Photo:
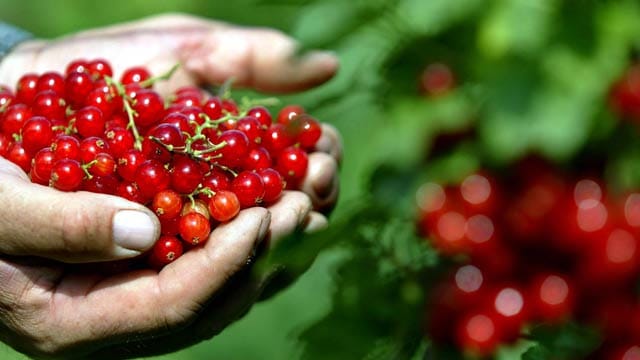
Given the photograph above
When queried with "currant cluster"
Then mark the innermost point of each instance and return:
(192, 158)
(534, 246)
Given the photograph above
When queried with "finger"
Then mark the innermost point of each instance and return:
(288, 215)
(259, 58)
(71, 227)
(330, 142)
(321, 182)
(146, 303)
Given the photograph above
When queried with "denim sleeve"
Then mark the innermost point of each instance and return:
(10, 36)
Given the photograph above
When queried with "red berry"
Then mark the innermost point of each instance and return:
(437, 79)
(235, 150)
(165, 251)
(102, 165)
(66, 147)
(19, 156)
(262, 114)
(77, 86)
(292, 164)
(128, 164)
(135, 75)
(194, 228)
(273, 184)
(120, 140)
(306, 131)
(257, 159)
(217, 180)
(249, 188)
(213, 108)
(50, 105)
(224, 206)
(90, 147)
(79, 65)
(101, 184)
(37, 133)
(51, 81)
(42, 164)
(99, 68)
(66, 175)
(288, 113)
(89, 121)
(26, 89)
(149, 108)
(186, 174)
(276, 139)
(478, 333)
(14, 118)
(152, 177)
(167, 204)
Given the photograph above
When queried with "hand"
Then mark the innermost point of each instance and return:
(58, 309)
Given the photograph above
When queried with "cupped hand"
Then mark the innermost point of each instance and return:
(50, 307)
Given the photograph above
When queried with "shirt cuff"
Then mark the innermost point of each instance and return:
(11, 36)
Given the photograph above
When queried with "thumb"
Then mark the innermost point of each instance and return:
(71, 227)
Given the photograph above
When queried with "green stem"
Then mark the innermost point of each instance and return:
(166, 76)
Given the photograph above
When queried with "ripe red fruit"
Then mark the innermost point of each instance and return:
(437, 79)
(288, 113)
(186, 174)
(194, 228)
(167, 204)
(292, 163)
(37, 133)
(135, 75)
(99, 68)
(26, 88)
(262, 114)
(306, 130)
(77, 86)
(66, 147)
(92, 146)
(552, 297)
(148, 106)
(478, 333)
(42, 165)
(165, 251)
(66, 175)
(273, 184)
(128, 164)
(19, 156)
(152, 177)
(102, 165)
(224, 206)
(89, 121)
(50, 105)
(120, 140)
(14, 117)
(249, 188)
(235, 150)
(51, 81)
(277, 138)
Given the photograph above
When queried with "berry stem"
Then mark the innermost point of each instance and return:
(132, 124)
(166, 76)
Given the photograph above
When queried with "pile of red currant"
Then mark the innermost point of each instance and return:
(533, 246)
(192, 158)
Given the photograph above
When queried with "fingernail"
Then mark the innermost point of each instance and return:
(134, 230)
(327, 58)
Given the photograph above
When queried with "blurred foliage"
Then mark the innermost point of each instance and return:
(532, 77)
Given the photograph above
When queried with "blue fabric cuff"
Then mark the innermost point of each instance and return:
(11, 36)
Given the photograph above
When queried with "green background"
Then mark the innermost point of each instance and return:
(532, 76)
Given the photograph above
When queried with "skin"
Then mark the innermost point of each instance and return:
(67, 308)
